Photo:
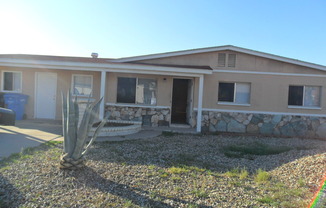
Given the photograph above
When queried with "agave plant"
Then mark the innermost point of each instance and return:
(75, 138)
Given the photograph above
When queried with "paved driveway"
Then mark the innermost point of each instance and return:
(27, 133)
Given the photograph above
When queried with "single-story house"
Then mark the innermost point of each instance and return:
(223, 89)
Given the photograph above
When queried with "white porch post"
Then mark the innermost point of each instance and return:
(102, 94)
(200, 102)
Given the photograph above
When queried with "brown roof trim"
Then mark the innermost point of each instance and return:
(55, 58)
(172, 65)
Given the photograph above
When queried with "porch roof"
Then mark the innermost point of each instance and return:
(96, 64)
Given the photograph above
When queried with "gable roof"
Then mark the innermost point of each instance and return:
(221, 48)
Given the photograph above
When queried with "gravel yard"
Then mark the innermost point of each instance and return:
(169, 171)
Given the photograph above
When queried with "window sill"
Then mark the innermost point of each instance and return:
(303, 107)
(234, 104)
(6, 91)
(136, 105)
(84, 96)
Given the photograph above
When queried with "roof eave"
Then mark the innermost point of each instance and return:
(114, 67)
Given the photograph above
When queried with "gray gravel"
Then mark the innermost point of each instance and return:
(140, 174)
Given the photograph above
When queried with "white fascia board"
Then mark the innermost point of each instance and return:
(137, 105)
(153, 72)
(267, 73)
(131, 68)
(222, 48)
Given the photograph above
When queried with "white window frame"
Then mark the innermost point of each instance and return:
(72, 84)
(135, 103)
(234, 95)
(3, 82)
(303, 103)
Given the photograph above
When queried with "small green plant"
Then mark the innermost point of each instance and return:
(262, 176)
(164, 175)
(192, 206)
(151, 167)
(128, 204)
(232, 173)
(175, 179)
(200, 193)
(177, 170)
(301, 182)
(266, 200)
(238, 151)
(243, 174)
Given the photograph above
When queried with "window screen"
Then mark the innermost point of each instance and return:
(82, 85)
(242, 95)
(146, 91)
(312, 96)
(226, 92)
(126, 92)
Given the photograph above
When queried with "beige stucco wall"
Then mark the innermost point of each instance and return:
(164, 87)
(64, 79)
(269, 93)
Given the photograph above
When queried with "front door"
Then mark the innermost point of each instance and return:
(46, 93)
(180, 101)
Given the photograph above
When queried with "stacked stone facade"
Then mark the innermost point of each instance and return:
(148, 116)
(265, 124)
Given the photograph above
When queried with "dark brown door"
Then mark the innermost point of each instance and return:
(179, 101)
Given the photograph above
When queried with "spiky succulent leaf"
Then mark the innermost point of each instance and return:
(71, 125)
(97, 131)
(64, 123)
(88, 119)
(76, 112)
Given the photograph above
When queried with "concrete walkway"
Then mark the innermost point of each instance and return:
(31, 133)
(27, 133)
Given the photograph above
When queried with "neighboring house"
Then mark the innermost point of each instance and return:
(225, 89)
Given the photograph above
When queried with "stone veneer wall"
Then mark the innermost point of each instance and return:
(149, 116)
(266, 124)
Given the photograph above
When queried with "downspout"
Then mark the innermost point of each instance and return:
(102, 94)
(200, 102)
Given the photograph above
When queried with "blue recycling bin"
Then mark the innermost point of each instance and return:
(16, 102)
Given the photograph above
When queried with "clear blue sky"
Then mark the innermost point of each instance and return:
(121, 28)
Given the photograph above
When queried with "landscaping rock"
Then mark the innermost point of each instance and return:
(267, 129)
(252, 129)
(287, 130)
(257, 118)
(276, 119)
(221, 126)
(212, 128)
(321, 131)
(236, 127)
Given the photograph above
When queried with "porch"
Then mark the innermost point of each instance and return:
(158, 96)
